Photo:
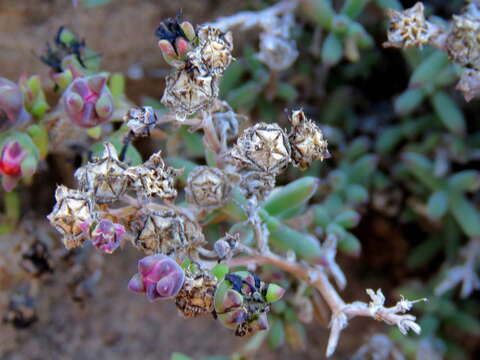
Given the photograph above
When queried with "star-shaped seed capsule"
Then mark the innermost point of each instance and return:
(263, 147)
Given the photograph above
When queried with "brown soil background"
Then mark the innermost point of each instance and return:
(116, 324)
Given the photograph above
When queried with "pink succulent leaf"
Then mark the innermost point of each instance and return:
(160, 275)
(87, 101)
(136, 284)
(12, 109)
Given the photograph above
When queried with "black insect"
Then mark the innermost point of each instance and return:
(54, 55)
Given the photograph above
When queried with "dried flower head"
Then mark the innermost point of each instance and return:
(141, 120)
(207, 187)
(214, 51)
(165, 230)
(159, 277)
(306, 141)
(242, 302)
(12, 109)
(104, 178)
(408, 27)
(469, 84)
(154, 178)
(262, 147)
(463, 40)
(72, 215)
(188, 91)
(197, 294)
(159, 231)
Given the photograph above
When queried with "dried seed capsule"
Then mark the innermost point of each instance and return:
(408, 27)
(197, 294)
(193, 230)
(141, 120)
(165, 231)
(188, 91)
(469, 84)
(159, 277)
(207, 187)
(306, 140)
(242, 302)
(105, 178)
(154, 178)
(214, 51)
(72, 215)
(463, 40)
(263, 147)
(159, 231)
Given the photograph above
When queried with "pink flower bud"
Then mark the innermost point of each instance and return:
(11, 159)
(11, 165)
(107, 236)
(12, 109)
(175, 41)
(88, 102)
(159, 276)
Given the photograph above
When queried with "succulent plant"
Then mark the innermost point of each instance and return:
(242, 302)
(88, 102)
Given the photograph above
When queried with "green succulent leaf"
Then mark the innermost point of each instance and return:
(437, 205)
(276, 335)
(466, 214)
(291, 196)
(449, 113)
(353, 8)
(332, 50)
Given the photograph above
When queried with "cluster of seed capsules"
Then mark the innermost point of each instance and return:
(166, 231)
(199, 58)
(460, 39)
(169, 234)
